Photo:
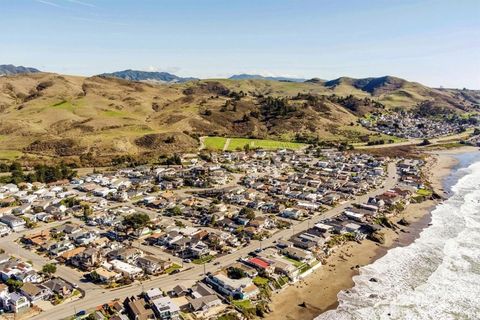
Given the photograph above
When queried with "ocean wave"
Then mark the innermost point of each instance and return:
(435, 277)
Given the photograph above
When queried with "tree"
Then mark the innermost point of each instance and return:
(180, 224)
(94, 276)
(236, 273)
(49, 269)
(175, 211)
(136, 220)
(14, 285)
(425, 142)
(87, 211)
(17, 174)
(248, 212)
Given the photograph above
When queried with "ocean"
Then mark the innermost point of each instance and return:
(438, 275)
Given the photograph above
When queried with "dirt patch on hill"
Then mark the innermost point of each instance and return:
(59, 147)
(170, 142)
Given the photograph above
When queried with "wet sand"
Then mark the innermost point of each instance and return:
(319, 290)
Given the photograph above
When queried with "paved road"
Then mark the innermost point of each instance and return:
(190, 276)
(12, 247)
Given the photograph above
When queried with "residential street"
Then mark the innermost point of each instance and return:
(188, 277)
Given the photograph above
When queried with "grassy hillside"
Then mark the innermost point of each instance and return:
(93, 119)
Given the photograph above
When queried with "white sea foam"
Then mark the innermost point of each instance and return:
(436, 277)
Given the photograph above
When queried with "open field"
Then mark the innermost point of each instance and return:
(214, 143)
(218, 143)
(10, 154)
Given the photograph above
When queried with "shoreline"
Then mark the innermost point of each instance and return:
(319, 290)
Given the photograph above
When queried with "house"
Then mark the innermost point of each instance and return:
(37, 239)
(18, 270)
(106, 276)
(67, 228)
(16, 302)
(250, 271)
(129, 255)
(4, 230)
(260, 222)
(35, 293)
(153, 294)
(199, 249)
(166, 309)
(59, 286)
(4, 295)
(127, 270)
(260, 264)
(322, 227)
(178, 291)
(87, 259)
(152, 264)
(203, 304)
(67, 255)
(236, 288)
(202, 299)
(356, 216)
(298, 254)
(85, 237)
(292, 213)
(57, 248)
(16, 224)
(284, 268)
(137, 311)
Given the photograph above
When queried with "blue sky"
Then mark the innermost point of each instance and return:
(433, 42)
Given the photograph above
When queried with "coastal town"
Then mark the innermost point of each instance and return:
(210, 236)
(409, 125)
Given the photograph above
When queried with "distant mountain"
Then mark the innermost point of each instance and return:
(245, 76)
(8, 69)
(148, 76)
(371, 85)
(315, 80)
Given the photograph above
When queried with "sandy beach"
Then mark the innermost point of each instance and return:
(319, 290)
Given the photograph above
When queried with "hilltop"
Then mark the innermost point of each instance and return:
(92, 119)
(245, 76)
(147, 76)
(9, 69)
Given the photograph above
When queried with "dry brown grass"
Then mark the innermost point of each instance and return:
(41, 112)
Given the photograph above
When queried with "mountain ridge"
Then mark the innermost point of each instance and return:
(246, 76)
(152, 76)
(10, 69)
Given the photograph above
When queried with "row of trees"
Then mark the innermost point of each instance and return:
(41, 173)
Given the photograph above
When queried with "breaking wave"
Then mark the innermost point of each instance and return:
(435, 277)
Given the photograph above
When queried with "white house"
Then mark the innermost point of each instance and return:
(126, 269)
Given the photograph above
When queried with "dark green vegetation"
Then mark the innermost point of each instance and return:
(41, 173)
(136, 220)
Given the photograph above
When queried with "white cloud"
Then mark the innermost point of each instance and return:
(49, 3)
(86, 4)
(172, 69)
